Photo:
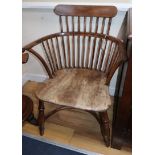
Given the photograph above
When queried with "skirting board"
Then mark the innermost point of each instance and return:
(40, 78)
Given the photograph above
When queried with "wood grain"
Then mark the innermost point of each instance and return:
(78, 88)
(86, 10)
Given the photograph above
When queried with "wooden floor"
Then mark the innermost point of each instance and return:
(75, 128)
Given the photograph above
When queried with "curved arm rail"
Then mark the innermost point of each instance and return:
(79, 50)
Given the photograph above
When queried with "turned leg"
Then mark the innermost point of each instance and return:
(105, 129)
(41, 117)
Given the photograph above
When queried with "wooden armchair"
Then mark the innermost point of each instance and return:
(80, 62)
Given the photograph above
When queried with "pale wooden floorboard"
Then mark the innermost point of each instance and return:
(76, 128)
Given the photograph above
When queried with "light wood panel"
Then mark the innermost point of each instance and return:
(78, 88)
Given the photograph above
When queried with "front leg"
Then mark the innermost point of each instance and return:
(105, 128)
(41, 117)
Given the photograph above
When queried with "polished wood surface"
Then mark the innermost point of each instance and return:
(78, 88)
(25, 57)
(86, 10)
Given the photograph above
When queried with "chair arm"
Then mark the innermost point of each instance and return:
(119, 60)
(29, 49)
(25, 57)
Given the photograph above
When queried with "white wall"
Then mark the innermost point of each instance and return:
(40, 22)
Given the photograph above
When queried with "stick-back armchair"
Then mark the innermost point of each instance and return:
(80, 61)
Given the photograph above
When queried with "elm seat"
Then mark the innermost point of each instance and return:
(78, 88)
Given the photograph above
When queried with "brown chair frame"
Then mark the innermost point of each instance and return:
(109, 49)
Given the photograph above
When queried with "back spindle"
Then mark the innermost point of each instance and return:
(54, 54)
(109, 25)
(51, 57)
(94, 43)
(88, 43)
(58, 53)
(73, 43)
(48, 58)
(68, 43)
(83, 43)
(78, 44)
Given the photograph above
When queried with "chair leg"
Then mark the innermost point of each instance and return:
(105, 128)
(41, 117)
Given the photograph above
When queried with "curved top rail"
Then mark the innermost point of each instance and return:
(98, 35)
(86, 10)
